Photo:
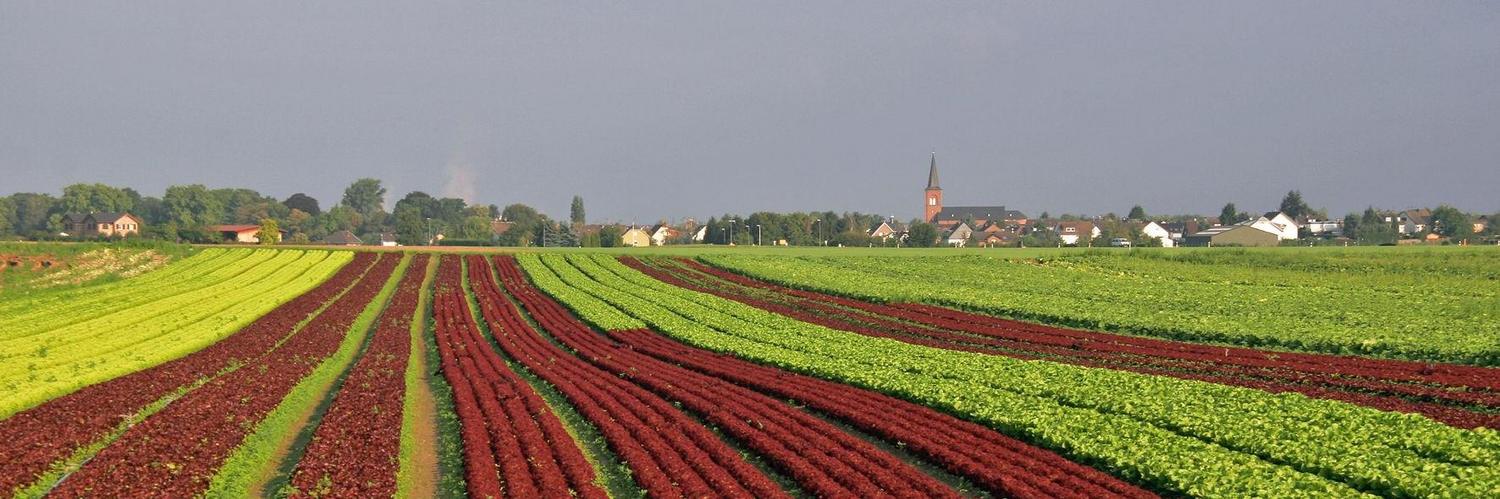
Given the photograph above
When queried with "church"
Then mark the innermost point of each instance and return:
(984, 218)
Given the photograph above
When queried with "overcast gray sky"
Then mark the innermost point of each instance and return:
(673, 109)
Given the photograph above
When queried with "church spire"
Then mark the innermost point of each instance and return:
(932, 178)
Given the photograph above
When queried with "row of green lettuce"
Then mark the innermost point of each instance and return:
(130, 329)
(1177, 436)
(1316, 309)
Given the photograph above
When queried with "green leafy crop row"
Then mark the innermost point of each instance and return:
(1174, 435)
(1275, 301)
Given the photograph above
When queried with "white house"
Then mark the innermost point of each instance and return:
(1414, 221)
(661, 234)
(1323, 227)
(1078, 232)
(1277, 223)
(699, 234)
(959, 236)
(1158, 232)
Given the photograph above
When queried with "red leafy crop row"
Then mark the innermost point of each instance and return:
(669, 453)
(355, 450)
(176, 452)
(514, 446)
(824, 460)
(33, 440)
(1387, 385)
(1000, 464)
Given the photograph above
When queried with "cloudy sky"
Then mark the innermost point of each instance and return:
(674, 109)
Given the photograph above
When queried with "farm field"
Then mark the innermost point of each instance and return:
(313, 373)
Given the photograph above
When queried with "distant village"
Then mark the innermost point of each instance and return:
(197, 214)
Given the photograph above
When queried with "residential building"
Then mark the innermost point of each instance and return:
(662, 233)
(999, 239)
(887, 230)
(1414, 221)
(959, 236)
(101, 224)
(1158, 232)
(1321, 228)
(1078, 232)
(636, 236)
(1277, 223)
(343, 238)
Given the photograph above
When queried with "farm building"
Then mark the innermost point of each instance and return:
(636, 236)
(1232, 235)
(343, 238)
(240, 233)
(102, 224)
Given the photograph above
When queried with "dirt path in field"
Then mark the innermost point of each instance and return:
(422, 480)
(419, 476)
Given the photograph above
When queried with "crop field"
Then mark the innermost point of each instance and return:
(315, 373)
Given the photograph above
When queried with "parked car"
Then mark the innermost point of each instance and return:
(1119, 242)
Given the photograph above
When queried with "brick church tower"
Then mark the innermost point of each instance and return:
(934, 201)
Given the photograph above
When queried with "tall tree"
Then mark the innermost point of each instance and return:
(192, 206)
(1351, 224)
(411, 226)
(7, 216)
(32, 210)
(1230, 216)
(1447, 221)
(922, 235)
(575, 213)
(306, 203)
(1373, 229)
(609, 236)
(1137, 213)
(1293, 206)
(366, 196)
(90, 198)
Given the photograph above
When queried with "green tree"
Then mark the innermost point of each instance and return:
(7, 216)
(922, 235)
(1136, 213)
(340, 218)
(1372, 229)
(575, 213)
(192, 206)
(1230, 216)
(297, 221)
(476, 227)
(609, 236)
(366, 196)
(1293, 206)
(32, 210)
(91, 198)
(411, 226)
(1447, 221)
(269, 233)
(1351, 224)
(306, 203)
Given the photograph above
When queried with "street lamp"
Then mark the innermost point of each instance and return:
(429, 230)
(732, 223)
(757, 234)
(817, 234)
